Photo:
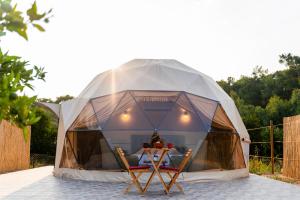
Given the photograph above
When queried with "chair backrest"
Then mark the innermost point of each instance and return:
(123, 158)
(185, 160)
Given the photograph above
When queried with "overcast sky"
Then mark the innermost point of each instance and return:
(219, 38)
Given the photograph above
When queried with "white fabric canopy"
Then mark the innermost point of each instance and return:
(154, 75)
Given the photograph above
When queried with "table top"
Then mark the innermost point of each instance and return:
(157, 149)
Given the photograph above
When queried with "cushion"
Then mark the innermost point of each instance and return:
(169, 168)
(138, 167)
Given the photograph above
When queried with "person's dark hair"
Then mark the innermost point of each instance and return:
(154, 138)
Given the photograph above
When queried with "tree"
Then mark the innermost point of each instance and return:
(262, 97)
(15, 73)
(278, 108)
(43, 133)
(57, 100)
(63, 98)
(295, 102)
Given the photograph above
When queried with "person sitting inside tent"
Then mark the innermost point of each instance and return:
(156, 142)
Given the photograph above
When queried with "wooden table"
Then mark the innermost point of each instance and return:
(150, 152)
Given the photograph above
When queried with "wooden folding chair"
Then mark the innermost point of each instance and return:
(132, 170)
(174, 173)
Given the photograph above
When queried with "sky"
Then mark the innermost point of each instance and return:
(219, 38)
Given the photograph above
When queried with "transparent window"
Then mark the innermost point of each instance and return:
(128, 119)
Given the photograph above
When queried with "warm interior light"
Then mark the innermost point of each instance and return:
(185, 117)
(125, 116)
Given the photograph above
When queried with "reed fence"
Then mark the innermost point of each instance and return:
(14, 150)
(291, 147)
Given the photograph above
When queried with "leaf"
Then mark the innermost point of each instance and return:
(33, 14)
(39, 27)
(33, 8)
(22, 33)
(25, 133)
(5, 6)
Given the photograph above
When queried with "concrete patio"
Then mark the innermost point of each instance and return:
(40, 184)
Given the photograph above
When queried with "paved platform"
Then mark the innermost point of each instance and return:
(40, 184)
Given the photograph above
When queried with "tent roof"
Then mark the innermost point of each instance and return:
(153, 74)
(157, 75)
(53, 107)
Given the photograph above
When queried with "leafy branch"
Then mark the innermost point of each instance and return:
(15, 75)
(14, 20)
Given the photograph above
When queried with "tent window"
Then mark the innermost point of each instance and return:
(128, 119)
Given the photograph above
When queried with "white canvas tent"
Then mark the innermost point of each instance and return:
(154, 92)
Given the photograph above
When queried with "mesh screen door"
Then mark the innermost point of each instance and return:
(88, 150)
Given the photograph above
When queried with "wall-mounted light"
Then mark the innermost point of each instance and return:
(125, 116)
(185, 117)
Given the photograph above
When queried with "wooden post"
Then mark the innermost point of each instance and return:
(272, 144)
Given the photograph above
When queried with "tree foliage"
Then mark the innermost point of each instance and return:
(262, 97)
(14, 20)
(15, 73)
(44, 133)
(57, 100)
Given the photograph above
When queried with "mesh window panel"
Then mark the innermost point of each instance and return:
(104, 106)
(179, 119)
(155, 105)
(183, 140)
(205, 109)
(185, 103)
(88, 150)
(130, 140)
(220, 151)
(86, 119)
(128, 116)
(221, 120)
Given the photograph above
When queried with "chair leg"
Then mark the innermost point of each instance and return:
(132, 183)
(177, 184)
(149, 181)
(173, 181)
(136, 182)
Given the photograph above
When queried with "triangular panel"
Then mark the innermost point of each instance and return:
(156, 104)
(182, 117)
(128, 116)
(86, 119)
(205, 108)
(221, 120)
(104, 106)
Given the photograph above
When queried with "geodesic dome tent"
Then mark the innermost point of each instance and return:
(124, 106)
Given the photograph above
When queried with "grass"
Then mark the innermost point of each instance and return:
(280, 177)
(40, 160)
(264, 167)
(260, 166)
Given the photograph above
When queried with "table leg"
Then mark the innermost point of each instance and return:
(156, 171)
(156, 166)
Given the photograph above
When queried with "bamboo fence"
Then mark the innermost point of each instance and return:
(291, 146)
(14, 150)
